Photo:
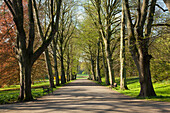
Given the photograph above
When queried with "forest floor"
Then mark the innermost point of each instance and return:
(85, 96)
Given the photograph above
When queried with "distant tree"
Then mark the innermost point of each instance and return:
(67, 28)
(107, 22)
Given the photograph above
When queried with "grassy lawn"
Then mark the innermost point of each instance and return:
(42, 83)
(162, 89)
(11, 96)
(82, 76)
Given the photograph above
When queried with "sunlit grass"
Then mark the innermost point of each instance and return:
(41, 83)
(82, 76)
(12, 96)
(162, 89)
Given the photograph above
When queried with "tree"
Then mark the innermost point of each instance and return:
(24, 49)
(123, 84)
(65, 32)
(89, 38)
(98, 75)
(43, 33)
(138, 41)
(107, 25)
(8, 62)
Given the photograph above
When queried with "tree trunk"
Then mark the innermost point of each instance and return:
(48, 64)
(138, 44)
(27, 80)
(71, 71)
(92, 68)
(123, 84)
(109, 62)
(105, 66)
(68, 65)
(55, 63)
(145, 74)
(98, 62)
(63, 79)
(22, 73)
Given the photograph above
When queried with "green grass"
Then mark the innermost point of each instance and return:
(82, 76)
(162, 89)
(12, 96)
(43, 83)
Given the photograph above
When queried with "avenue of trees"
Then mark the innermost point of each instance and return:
(111, 38)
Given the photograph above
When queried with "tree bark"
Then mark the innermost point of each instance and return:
(68, 64)
(22, 75)
(105, 66)
(109, 62)
(27, 80)
(123, 84)
(63, 79)
(92, 68)
(98, 62)
(145, 75)
(54, 48)
(138, 44)
(49, 68)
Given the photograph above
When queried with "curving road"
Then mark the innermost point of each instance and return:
(85, 96)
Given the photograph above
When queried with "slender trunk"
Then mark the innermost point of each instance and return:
(71, 71)
(48, 64)
(55, 63)
(92, 68)
(105, 66)
(71, 75)
(123, 84)
(22, 73)
(71, 63)
(98, 62)
(68, 65)
(109, 62)
(63, 79)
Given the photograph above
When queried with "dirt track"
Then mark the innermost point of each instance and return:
(84, 96)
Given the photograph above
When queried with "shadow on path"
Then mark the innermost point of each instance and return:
(85, 96)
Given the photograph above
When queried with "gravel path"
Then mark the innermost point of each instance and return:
(84, 96)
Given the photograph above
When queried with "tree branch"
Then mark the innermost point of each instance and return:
(164, 10)
(161, 25)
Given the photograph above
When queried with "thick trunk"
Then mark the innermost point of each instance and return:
(105, 66)
(109, 62)
(123, 84)
(48, 64)
(63, 79)
(98, 62)
(145, 74)
(27, 80)
(138, 44)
